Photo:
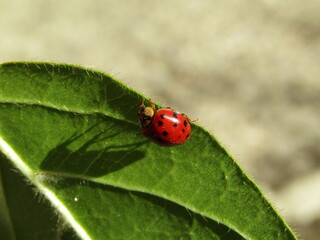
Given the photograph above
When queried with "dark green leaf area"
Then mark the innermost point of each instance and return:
(113, 213)
(23, 213)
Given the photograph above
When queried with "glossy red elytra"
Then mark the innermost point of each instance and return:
(164, 126)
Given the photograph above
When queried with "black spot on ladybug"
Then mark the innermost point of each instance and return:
(185, 123)
(187, 136)
(160, 123)
(183, 130)
(165, 133)
(163, 116)
(175, 115)
(175, 125)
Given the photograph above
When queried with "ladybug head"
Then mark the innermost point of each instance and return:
(145, 114)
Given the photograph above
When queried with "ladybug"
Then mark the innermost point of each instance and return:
(164, 126)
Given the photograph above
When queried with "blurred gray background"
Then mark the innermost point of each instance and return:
(248, 70)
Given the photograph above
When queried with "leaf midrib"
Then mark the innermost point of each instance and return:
(55, 108)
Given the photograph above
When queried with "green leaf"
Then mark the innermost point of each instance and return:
(19, 205)
(72, 132)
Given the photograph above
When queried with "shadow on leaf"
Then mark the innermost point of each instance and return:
(94, 157)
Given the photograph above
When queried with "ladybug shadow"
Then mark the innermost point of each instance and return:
(92, 158)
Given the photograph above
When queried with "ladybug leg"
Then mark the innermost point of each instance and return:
(141, 108)
(142, 103)
(189, 120)
(139, 133)
(152, 105)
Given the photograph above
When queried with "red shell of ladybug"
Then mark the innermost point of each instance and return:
(165, 126)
